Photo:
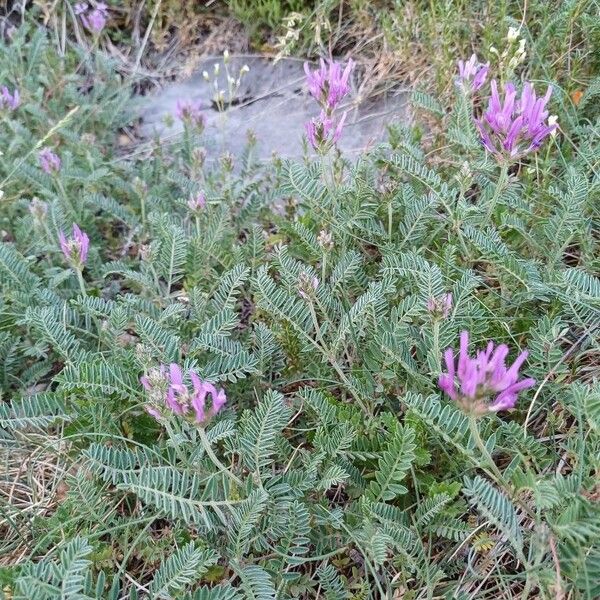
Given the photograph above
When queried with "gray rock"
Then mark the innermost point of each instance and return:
(273, 102)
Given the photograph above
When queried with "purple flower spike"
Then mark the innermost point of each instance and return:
(168, 393)
(328, 84)
(8, 100)
(512, 128)
(49, 161)
(472, 74)
(473, 381)
(76, 248)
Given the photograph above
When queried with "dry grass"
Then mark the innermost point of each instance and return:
(32, 486)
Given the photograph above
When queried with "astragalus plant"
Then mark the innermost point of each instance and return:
(224, 380)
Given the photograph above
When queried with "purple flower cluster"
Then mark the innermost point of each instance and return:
(482, 377)
(190, 112)
(328, 85)
(510, 128)
(49, 161)
(75, 248)
(166, 389)
(440, 307)
(472, 74)
(8, 100)
(93, 19)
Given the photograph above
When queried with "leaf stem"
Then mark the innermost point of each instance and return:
(500, 185)
(209, 452)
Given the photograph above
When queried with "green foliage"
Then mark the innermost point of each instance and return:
(180, 570)
(393, 465)
(336, 468)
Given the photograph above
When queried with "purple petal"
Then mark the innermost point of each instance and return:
(338, 130)
(64, 245)
(199, 396)
(175, 375)
(172, 402)
(446, 384)
(494, 104)
(219, 401)
(503, 402)
(480, 77)
(513, 132)
(153, 412)
(463, 356)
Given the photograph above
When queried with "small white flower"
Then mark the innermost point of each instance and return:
(493, 50)
(245, 69)
(206, 75)
(216, 68)
(226, 56)
(513, 34)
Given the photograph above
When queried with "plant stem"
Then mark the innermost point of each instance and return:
(500, 480)
(484, 451)
(143, 209)
(331, 359)
(500, 185)
(63, 193)
(209, 452)
(171, 435)
(436, 346)
(80, 280)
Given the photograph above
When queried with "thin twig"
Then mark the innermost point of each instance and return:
(138, 58)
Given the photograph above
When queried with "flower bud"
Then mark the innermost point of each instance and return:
(307, 285)
(38, 209)
(197, 202)
(513, 34)
(325, 240)
(198, 157)
(227, 161)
